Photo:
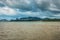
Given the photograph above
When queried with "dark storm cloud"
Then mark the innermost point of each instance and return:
(43, 4)
(33, 4)
(27, 4)
(57, 3)
(20, 4)
(2, 5)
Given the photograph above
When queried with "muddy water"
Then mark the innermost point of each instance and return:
(29, 30)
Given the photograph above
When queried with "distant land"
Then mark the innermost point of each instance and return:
(31, 19)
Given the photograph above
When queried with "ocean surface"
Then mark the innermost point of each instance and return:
(30, 30)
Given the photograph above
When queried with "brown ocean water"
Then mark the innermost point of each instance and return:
(30, 30)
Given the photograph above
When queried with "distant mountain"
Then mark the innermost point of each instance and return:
(3, 20)
(27, 19)
(31, 19)
(48, 19)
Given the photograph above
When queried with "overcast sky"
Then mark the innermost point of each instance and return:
(11, 9)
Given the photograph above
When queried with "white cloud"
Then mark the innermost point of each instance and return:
(57, 15)
(7, 11)
(30, 13)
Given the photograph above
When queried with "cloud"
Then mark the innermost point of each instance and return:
(32, 4)
(7, 11)
(2, 4)
(20, 4)
(43, 4)
(37, 8)
(57, 3)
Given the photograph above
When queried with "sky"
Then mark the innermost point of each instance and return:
(11, 9)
